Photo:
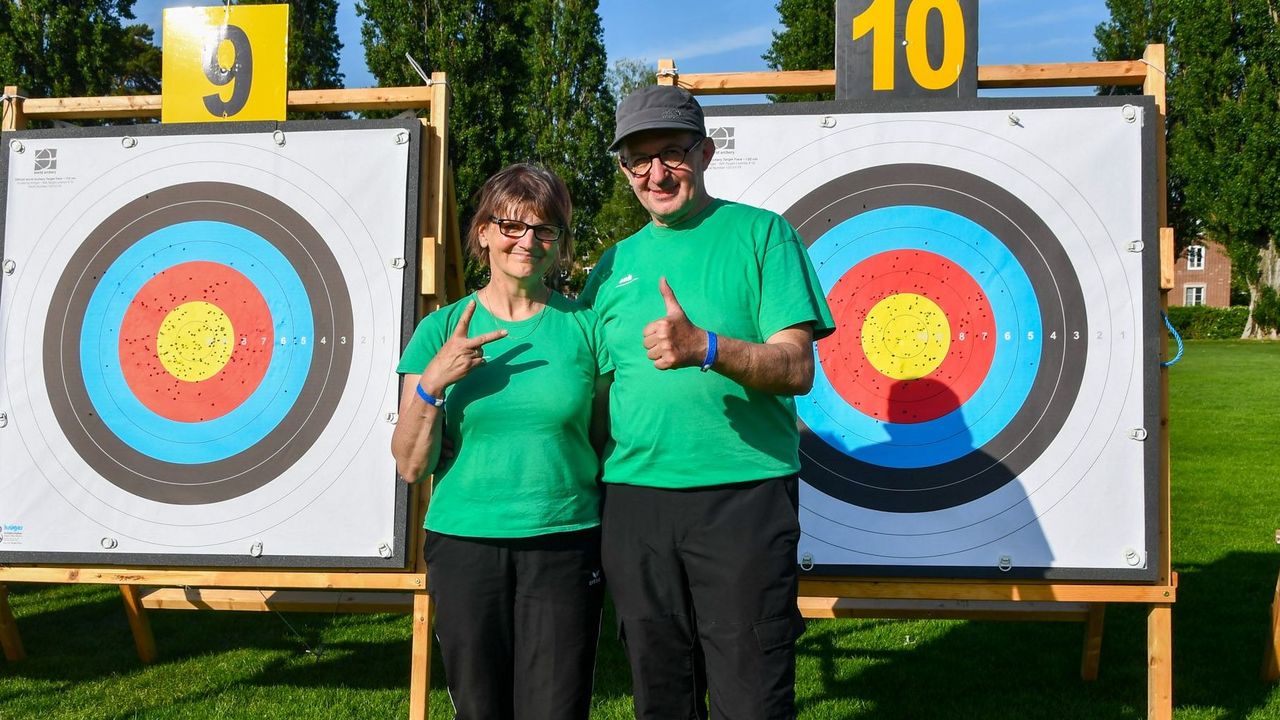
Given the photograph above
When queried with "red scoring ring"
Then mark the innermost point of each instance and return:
(961, 372)
(218, 285)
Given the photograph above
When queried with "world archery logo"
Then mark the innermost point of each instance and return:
(46, 160)
(722, 137)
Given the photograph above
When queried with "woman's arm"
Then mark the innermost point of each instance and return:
(415, 443)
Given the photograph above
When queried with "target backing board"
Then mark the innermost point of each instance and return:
(988, 404)
(199, 327)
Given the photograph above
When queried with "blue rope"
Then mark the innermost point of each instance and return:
(1176, 336)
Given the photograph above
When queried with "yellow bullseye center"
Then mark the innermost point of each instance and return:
(906, 336)
(195, 341)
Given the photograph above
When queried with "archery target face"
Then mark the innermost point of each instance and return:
(992, 287)
(200, 336)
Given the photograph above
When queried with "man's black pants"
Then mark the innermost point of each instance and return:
(517, 621)
(706, 575)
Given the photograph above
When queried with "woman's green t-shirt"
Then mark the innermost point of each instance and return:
(523, 464)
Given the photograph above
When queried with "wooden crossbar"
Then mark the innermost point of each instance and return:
(338, 580)
(148, 106)
(282, 600)
(1126, 72)
(1091, 614)
(832, 607)
(989, 591)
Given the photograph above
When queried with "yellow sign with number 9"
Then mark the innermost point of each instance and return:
(225, 63)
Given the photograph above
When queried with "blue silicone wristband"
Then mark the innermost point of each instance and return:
(429, 398)
(710, 359)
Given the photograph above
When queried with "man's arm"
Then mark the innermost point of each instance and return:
(782, 364)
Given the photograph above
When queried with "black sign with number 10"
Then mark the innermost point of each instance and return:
(906, 48)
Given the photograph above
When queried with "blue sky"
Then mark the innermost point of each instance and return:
(730, 35)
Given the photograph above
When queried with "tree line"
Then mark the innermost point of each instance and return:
(529, 82)
(1223, 130)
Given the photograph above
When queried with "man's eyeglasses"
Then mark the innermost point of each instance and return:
(671, 158)
(515, 229)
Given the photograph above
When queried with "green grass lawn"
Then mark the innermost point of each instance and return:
(1226, 508)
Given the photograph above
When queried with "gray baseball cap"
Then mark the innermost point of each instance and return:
(657, 107)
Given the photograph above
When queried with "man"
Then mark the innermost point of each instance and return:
(710, 312)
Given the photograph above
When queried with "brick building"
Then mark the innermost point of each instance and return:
(1202, 275)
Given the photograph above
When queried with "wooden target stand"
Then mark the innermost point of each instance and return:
(1270, 657)
(1017, 600)
(441, 281)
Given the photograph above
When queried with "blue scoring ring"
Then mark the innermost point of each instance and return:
(222, 437)
(1014, 364)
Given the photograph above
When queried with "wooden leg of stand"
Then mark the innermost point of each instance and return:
(1271, 662)
(138, 623)
(1092, 656)
(420, 667)
(9, 637)
(1160, 662)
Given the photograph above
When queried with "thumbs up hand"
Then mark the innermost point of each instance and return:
(673, 341)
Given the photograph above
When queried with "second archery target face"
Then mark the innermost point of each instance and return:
(986, 405)
(200, 333)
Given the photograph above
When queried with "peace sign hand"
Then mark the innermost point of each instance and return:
(459, 355)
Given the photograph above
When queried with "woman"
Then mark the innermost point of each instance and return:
(509, 374)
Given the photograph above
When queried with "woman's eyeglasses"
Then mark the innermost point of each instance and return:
(515, 229)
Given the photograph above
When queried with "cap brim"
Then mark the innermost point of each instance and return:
(655, 125)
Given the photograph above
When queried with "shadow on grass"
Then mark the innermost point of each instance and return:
(1221, 627)
(71, 632)
(81, 633)
(77, 635)
(1031, 670)
(353, 664)
(847, 668)
(391, 659)
(970, 670)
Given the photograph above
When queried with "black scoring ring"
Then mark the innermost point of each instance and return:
(1057, 381)
(201, 483)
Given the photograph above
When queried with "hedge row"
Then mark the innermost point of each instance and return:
(1201, 322)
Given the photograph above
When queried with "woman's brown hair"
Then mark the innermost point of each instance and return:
(523, 187)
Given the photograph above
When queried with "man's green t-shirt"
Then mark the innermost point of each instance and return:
(523, 463)
(740, 272)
